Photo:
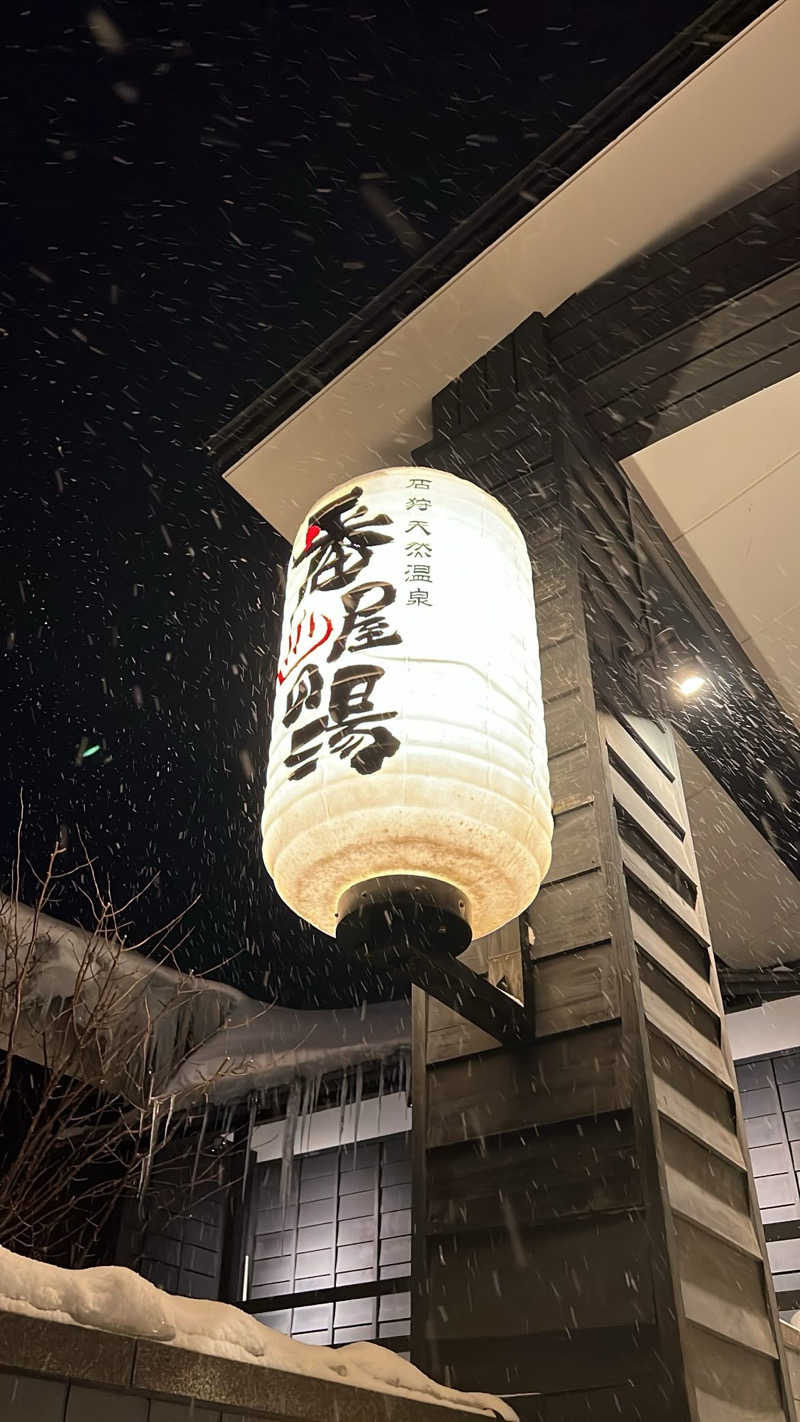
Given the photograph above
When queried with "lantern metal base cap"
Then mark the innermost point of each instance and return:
(392, 910)
(423, 924)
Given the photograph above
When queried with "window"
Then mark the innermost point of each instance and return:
(345, 1226)
(770, 1095)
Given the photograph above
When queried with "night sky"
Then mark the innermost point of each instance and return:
(193, 203)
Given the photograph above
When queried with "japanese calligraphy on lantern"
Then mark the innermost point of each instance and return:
(419, 547)
(407, 714)
(340, 614)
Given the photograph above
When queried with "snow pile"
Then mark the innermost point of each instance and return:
(119, 1301)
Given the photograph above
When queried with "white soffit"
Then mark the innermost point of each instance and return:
(751, 898)
(730, 129)
(727, 492)
(761, 1031)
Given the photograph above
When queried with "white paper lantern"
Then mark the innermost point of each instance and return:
(408, 727)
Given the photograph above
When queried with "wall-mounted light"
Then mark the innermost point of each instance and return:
(685, 673)
(407, 801)
(689, 681)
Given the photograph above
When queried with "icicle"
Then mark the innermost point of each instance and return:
(200, 1139)
(343, 1093)
(316, 1083)
(357, 1110)
(287, 1158)
(304, 1121)
(309, 1106)
(148, 1048)
(139, 1191)
(253, 1099)
(147, 1163)
(166, 1049)
(168, 1121)
(380, 1093)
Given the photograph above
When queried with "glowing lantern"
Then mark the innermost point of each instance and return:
(408, 730)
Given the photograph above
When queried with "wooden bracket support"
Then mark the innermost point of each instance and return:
(472, 996)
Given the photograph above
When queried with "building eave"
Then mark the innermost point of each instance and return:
(729, 129)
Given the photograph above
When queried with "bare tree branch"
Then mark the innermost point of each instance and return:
(90, 1032)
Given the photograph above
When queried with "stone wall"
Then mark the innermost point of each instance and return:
(56, 1372)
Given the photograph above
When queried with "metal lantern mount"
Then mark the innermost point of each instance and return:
(407, 804)
(423, 924)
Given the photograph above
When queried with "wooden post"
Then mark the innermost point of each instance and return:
(587, 1237)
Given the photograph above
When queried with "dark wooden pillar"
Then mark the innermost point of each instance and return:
(587, 1238)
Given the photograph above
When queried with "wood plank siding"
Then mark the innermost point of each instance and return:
(681, 333)
(586, 1231)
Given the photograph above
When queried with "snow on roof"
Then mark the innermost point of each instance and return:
(262, 1046)
(243, 1044)
(117, 1300)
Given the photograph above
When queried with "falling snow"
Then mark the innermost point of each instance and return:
(196, 204)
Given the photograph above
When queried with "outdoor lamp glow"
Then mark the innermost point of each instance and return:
(686, 674)
(408, 742)
(690, 683)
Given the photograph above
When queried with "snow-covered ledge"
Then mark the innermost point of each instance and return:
(109, 1327)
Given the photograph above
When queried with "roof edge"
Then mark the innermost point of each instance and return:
(583, 141)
